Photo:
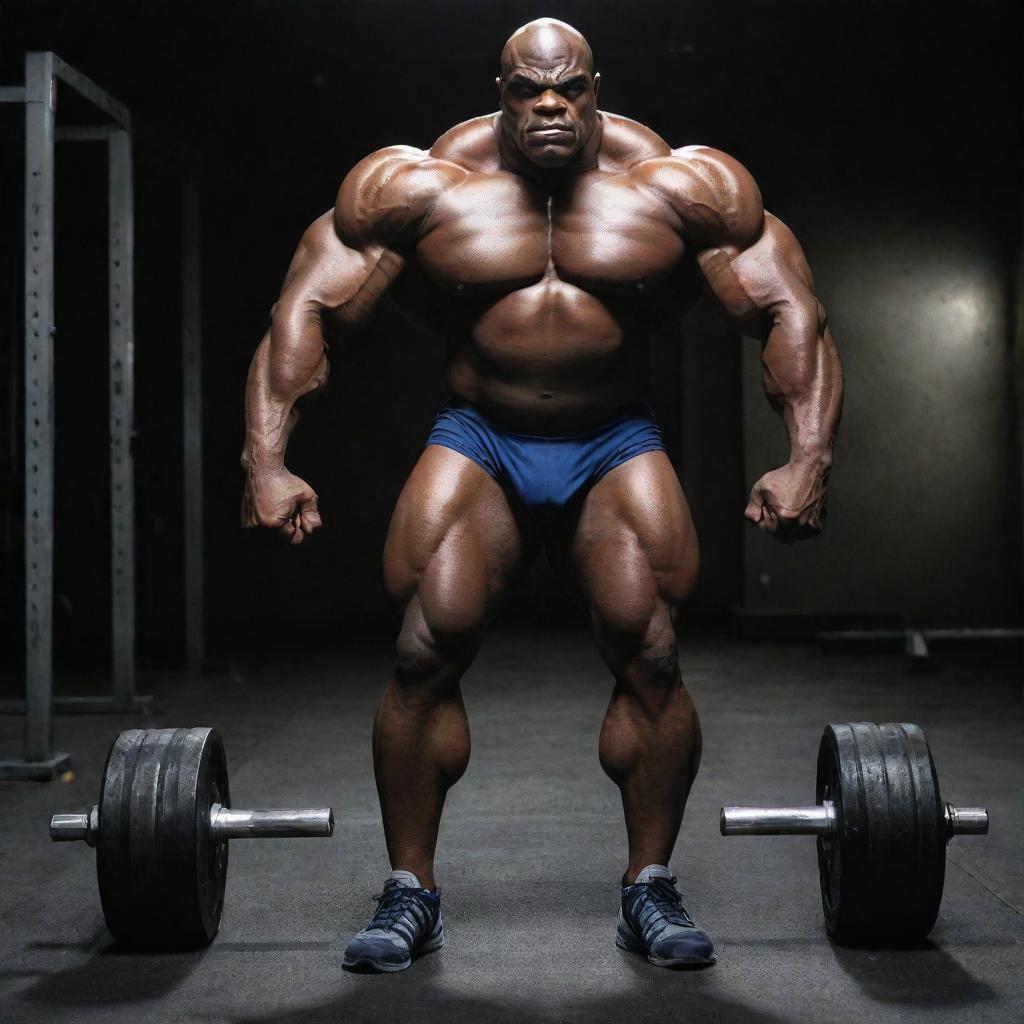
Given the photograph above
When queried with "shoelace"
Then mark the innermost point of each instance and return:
(667, 902)
(392, 903)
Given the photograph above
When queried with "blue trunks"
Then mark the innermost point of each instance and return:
(546, 473)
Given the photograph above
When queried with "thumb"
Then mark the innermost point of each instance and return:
(755, 508)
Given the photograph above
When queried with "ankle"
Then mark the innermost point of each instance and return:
(424, 875)
(629, 876)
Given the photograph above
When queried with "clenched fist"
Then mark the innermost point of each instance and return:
(789, 503)
(280, 500)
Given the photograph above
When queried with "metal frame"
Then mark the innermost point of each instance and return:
(121, 236)
(1017, 357)
(192, 416)
(42, 72)
(915, 641)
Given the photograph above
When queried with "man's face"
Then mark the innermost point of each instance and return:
(549, 113)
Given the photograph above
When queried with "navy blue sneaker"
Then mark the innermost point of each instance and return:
(406, 925)
(653, 920)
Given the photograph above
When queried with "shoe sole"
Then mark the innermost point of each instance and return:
(658, 961)
(367, 965)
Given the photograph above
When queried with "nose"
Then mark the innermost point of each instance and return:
(550, 102)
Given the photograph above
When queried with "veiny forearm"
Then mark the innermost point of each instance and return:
(803, 378)
(291, 361)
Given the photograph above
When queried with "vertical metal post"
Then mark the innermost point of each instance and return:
(1017, 351)
(40, 110)
(122, 401)
(42, 72)
(192, 377)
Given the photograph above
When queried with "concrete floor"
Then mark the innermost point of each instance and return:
(531, 850)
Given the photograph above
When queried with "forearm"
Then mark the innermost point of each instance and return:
(803, 379)
(290, 362)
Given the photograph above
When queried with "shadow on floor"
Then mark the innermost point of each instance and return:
(110, 977)
(372, 1007)
(663, 995)
(920, 975)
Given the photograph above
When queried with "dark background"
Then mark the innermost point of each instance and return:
(886, 135)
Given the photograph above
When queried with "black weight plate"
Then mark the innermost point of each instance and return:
(113, 857)
(161, 878)
(882, 871)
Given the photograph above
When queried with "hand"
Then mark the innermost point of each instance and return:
(789, 503)
(279, 500)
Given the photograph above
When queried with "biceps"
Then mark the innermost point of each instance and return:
(327, 275)
(767, 281)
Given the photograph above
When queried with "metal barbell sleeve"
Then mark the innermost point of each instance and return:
(228, 823)
(66, 828)
(820, 819)
(225, 823)
(817, 820)
(966, 821)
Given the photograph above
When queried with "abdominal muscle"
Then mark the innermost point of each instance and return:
(549, 359)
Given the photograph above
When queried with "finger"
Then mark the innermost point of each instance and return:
(297, 525)
(310, 514)
(753, 510)
(248, 511)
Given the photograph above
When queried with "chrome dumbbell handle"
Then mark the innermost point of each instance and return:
(225, 823)
(820, 819)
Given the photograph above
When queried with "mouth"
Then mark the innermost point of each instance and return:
(548, 134)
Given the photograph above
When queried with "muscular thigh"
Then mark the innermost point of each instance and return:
(630, 554)
(453, 544)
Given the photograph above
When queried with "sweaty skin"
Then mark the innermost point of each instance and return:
(552, 238)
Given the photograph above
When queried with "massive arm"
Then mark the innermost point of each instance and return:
(757, 271)
(326, 278)
(344, 264)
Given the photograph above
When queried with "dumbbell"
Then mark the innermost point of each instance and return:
(882, 830)
(161, 832)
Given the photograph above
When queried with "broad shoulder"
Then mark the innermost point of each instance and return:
(714, 195)
(625, 143)
(387, 193)
(471, 145)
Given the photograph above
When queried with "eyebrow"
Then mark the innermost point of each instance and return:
(518, 78)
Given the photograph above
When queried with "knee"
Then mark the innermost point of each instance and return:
(655, 664)
(645, 656)
(431, 657)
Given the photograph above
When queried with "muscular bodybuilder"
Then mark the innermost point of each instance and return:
(554, 237)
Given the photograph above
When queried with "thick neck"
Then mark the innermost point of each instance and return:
(513, 160)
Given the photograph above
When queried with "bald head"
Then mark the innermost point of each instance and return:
(548, 93)
(546, 44)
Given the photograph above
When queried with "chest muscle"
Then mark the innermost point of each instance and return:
(497, 233)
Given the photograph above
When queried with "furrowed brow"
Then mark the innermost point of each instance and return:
(518, 78)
